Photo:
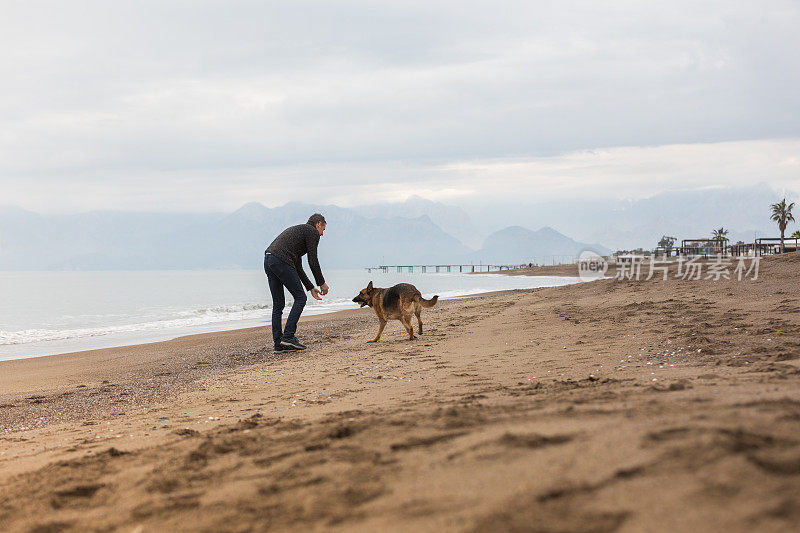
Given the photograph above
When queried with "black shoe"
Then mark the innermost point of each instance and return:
(282, 349)
(292, 343)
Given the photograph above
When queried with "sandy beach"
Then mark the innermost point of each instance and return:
(609, 406)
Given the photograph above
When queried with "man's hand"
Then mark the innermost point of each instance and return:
(324, 289)
(315, 294)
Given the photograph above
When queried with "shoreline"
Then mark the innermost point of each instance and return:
(565, 270)
(179, 335)
(309, 318)
(16, 375)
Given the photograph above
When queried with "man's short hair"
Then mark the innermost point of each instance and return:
(316, 217)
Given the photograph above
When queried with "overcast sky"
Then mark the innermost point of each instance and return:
(198, 106)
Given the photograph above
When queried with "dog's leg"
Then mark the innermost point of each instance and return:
(405, 318)
(381, 325)
(418, 312)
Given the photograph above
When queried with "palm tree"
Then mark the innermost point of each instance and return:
(667, 243)
(782, 214)
(795, 235)
(720, 235)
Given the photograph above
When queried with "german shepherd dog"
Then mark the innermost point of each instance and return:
(395, 302)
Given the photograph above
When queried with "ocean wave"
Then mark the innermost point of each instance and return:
(186, 319)
(222, 309)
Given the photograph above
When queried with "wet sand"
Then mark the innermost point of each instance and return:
(610, 406)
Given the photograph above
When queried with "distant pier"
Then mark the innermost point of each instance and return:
(442, 268)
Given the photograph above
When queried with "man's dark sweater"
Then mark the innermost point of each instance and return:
(290, 247)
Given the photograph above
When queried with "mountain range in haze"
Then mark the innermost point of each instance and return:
(355, 238)
(628, 224)
(416, 231)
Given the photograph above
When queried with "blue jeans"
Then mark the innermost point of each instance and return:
(281, 274)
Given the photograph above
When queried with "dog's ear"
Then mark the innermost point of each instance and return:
(369, 287)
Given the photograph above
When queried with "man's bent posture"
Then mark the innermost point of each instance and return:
(282, 263)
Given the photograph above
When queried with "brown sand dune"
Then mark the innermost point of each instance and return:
(611, 406)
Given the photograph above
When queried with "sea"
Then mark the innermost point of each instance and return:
(53, 312)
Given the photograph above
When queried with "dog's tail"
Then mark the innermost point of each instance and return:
(428, 303)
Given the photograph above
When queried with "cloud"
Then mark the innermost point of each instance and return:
(634, 172)
(627, 172)
(202, 104)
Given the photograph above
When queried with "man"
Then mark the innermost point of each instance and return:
(282, 263)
